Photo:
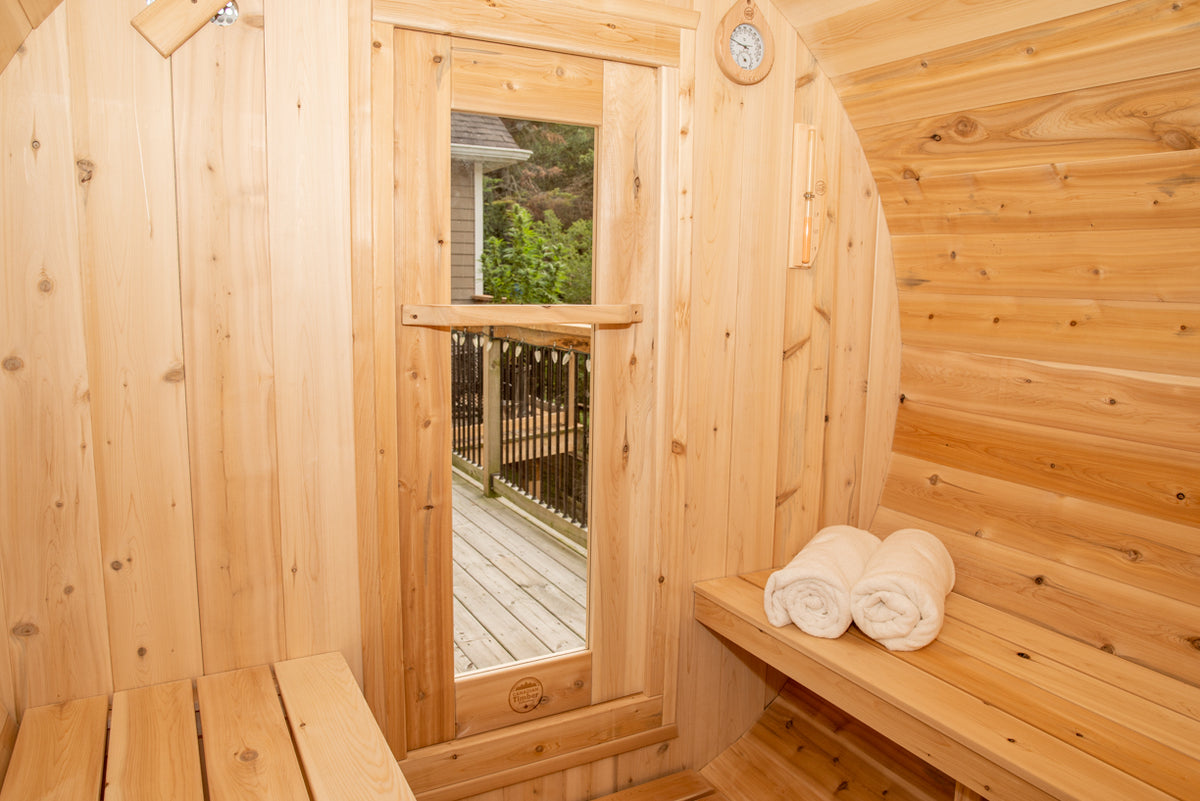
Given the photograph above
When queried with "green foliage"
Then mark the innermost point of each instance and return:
(537, 218)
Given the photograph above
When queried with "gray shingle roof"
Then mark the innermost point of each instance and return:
(479, 130)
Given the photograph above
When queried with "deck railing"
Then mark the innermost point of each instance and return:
(522, 416)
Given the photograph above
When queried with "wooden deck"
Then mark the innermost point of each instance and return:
(519, 592)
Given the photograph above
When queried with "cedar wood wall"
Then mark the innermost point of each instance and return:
(178, 393)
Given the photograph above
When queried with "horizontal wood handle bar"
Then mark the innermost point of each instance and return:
(443, 316)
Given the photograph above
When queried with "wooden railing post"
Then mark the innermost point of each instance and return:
(491, 455)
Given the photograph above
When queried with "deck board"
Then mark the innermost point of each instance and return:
(519, 592)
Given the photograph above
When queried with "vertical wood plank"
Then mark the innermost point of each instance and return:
(55, 627)
(362, 285)
(225, 275)
(60, 752)
(308, 151)
(883, 378)
(8, 741)
(121, 113)
(422, 262)
(153, 752)
(626, 271)
(387, 491)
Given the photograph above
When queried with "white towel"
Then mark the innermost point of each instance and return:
(813, 590)
(901, 598)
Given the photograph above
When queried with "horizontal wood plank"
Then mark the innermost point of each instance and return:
(1137, 407)
(608, 30)
(483, 702)
(1157, 481)
(248, 752)
(1110, 616)
(506, 81)
(1160, 114)
(167, 24)
(518, 314)
(1097, 265)
(979, 743)
(340, 745)
(1146, 37)
(1153, 337)
(153, 752)
(59, 753)
(850, 35)
(686, 785)
(1141, 551)
(529, 745)
(1144, 192)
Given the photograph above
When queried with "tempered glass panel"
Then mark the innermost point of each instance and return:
(522, 200)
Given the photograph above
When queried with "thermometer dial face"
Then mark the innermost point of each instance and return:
(746, 46)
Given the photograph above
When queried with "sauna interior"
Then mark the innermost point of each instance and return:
(934, 264)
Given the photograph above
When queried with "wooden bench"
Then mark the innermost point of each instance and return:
(1008, 708)
(326, 747)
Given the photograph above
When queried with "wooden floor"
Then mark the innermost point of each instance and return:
(519, 593)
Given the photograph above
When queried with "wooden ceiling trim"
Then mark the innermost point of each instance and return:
(1134, 476)
(1138, 407)
(854, 36)
(1149, 192)
(1160, 114)
(1100, 265)
(1153, 337)
(14, 27)
(619, 30)
(1150, 553)
(1143, 37)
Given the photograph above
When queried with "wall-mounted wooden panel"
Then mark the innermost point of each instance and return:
(53, 590)
(1160, 114)
(307, 86)
(121, 118)
(1156, 337)
(1140, 407)
(1101, 265)
(1157, 555)
(1147, 193)
(491, 78)
(1156, 481)
(856, 34)
(1145, 37)
(623, 416)
(623, 30)
(421, 208)
(225, 273)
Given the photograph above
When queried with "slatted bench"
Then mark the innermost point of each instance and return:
(1008, 708)
(327, 747)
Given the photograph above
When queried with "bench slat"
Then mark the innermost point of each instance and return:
(874, 680)
(343, 751)
(248, 752)
(687, 785)
(153, 752)
(60, 752)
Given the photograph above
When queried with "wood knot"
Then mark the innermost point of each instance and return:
(1039, 580)
(13, 363)
(35, 144)
(934, 479)
(678, 447)
(67, 590)
(116, 564)
(45, 285)
(141, 651)
(25, 630)
(1194, 642)
(1108, 648)
(247, 755)
(1023, 655)
(174, 375)
(86, 168)
(965, 127)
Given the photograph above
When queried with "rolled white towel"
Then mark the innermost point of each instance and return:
(900, 600)
(813, 590)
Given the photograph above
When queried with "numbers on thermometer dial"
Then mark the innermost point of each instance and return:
(746, 46)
